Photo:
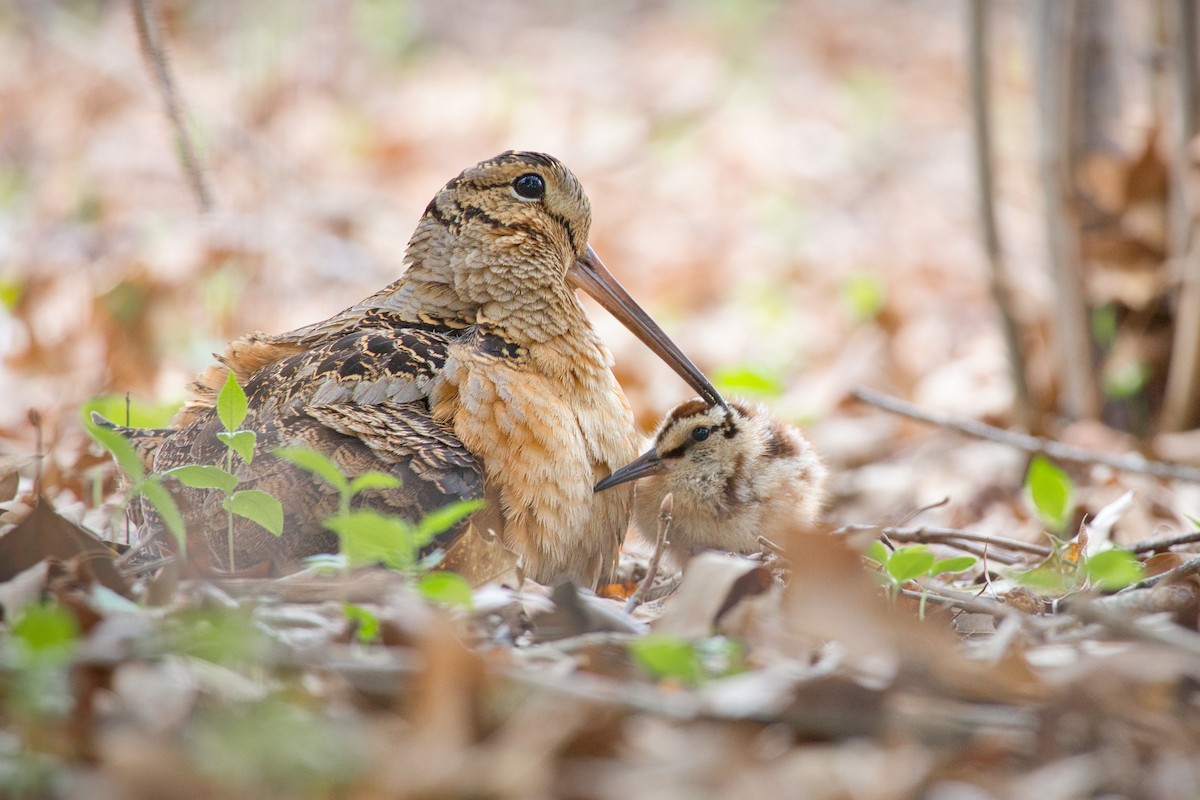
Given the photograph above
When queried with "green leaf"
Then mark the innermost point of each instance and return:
(231, 403)
(1047, 578)
(11, 290)
(366, 624)
(910, 562)
(311, 461)
(1050, 489)
(445, 518)
(864, 295)
(878, 552)
(127, 457)
(373, 480)
(1126, 380)
(46, 630)
(1195, 521)
(256, 506)
(749, 381)
(220, 635)
(368, 537)
(952, 565)
(1104, 325)
(326, 563)
(287, 747)
(1113, 569)
(721, 655)
(168, 509)
(199, 476)
(240, 442)
(665, 656)
(447, 589)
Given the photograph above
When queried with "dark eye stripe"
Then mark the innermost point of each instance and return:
(677, 452)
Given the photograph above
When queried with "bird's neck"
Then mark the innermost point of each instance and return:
(555, 331)
(422, 296)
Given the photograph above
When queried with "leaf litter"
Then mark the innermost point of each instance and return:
(800, 673)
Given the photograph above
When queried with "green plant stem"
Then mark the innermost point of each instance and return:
(229, 514)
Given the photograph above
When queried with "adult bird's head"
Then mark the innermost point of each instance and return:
(506, 244)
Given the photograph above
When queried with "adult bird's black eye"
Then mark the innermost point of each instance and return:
(529, 186)
(700, 434)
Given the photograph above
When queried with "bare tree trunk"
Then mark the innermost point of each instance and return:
(1181, 409)
(977, 19)
(1056, 71)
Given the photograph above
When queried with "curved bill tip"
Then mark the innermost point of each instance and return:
(589, 274)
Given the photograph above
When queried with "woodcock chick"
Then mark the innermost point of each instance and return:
(735, 473)
(476, 374)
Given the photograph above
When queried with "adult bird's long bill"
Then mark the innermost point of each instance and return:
(590, 275)
(648, 463)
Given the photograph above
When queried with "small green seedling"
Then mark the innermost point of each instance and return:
(366, 536)
(914, 561)
(689, 662)
(1068, 569)
(365, 624)
(898, 567)
(252, 504)
(1051, 492)
(148, 486)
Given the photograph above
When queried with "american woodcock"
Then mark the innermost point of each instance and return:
(476, 374)
(735, 473)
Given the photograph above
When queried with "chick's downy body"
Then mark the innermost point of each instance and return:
(735, 473)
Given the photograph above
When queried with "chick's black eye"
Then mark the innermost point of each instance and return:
(700, 434)
(529, 186)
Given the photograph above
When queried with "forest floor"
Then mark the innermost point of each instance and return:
(787, 188)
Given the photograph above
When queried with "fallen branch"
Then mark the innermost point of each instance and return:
(1165, 542)
(660, 544)
(1125, 462)
(1138, 629)
(156, 57)
(965, 602)
(947, 536)
(1185, 570)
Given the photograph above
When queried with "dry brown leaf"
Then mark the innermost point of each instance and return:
(45, 534)
(714, 585)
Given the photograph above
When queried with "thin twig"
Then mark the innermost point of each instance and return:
(948, 536)
(918, 511)
(35, 419)
(967, 602)
(1165, 542)
(1125, 462)
(660, 544)
(1185, 570)
(1169, 635)
(156, 58)
(149, 566)
(126, 558)
(981, 117)
(768, 545)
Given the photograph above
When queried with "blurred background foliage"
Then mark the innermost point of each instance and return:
(789, 187)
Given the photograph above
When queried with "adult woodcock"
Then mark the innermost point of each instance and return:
(735, 472)
(477, 374)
